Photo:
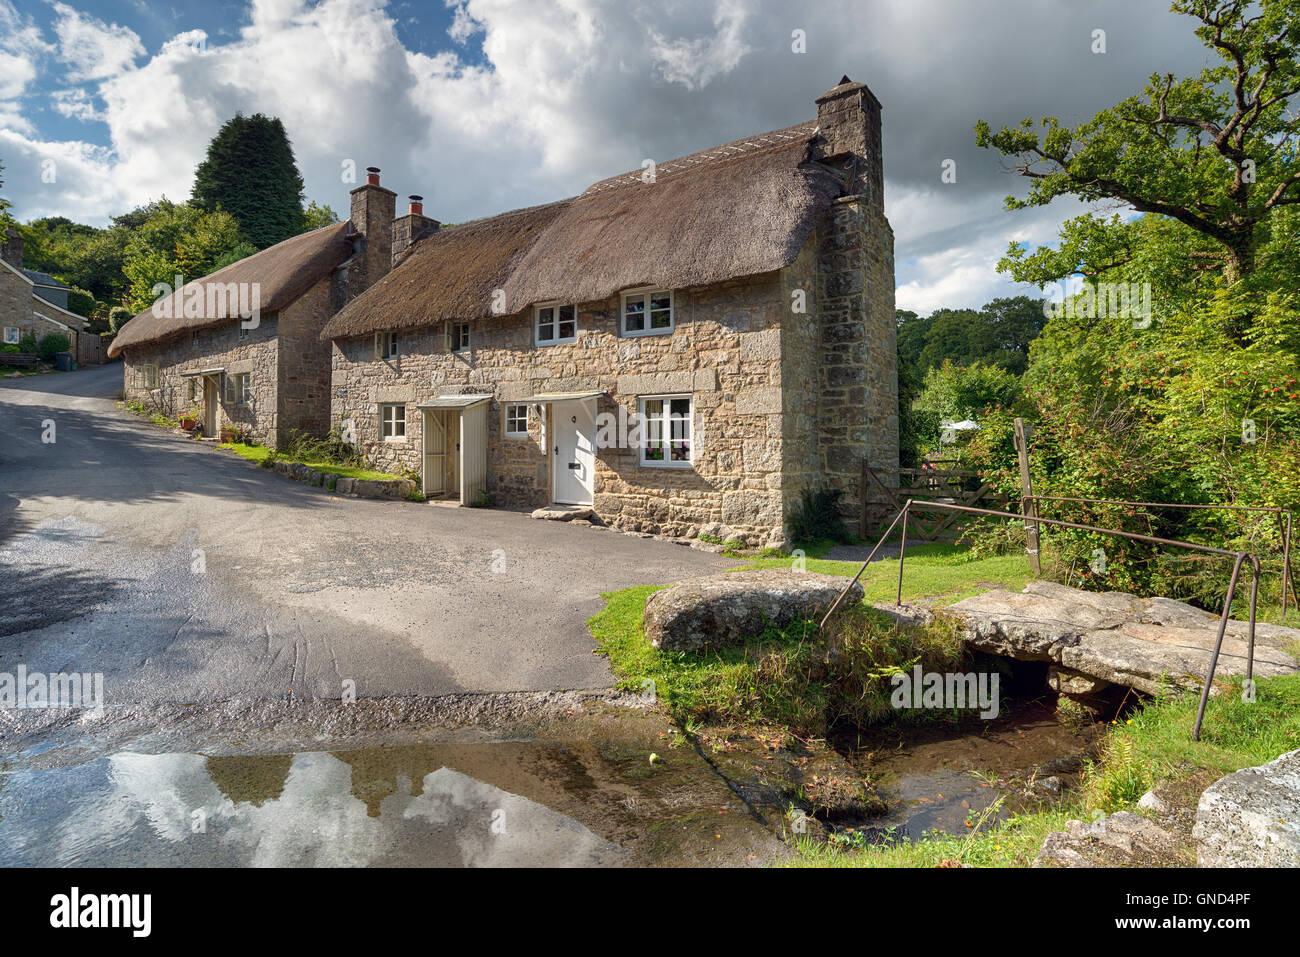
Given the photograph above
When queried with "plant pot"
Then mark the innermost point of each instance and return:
(189, 425)
(227, 435)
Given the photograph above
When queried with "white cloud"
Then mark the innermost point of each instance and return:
(531, 102)
(75, 104)
(94, 49)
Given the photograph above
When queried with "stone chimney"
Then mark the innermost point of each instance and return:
(373, 209)
(411, 227)
(11, 251)
(848, 116)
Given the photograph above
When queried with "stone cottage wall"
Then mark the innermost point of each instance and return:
(217, 347)
(304, 362)
(724, 351)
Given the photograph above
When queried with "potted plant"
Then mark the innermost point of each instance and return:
(190, 419)
(228, 434)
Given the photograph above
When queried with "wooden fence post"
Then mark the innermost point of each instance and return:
(1028, 507)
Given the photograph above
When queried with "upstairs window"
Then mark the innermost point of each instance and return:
(648, 312)
(666, 430)
(555, 324)
(243, 330)
(386, 345)
(458, 337)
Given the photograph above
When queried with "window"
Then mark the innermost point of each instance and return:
(12, 335)
(149, 376)
(647, 313)
(392, 423)
(386, 345)
(666, 430)
(517, 420)
(555, 323)
(238, 391)
(458, 337)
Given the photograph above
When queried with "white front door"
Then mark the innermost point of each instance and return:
(574, 451)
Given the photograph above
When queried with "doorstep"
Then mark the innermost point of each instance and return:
(565, 513)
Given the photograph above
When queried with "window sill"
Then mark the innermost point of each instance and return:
(647, 332)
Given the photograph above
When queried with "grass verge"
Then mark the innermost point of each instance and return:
(261, 454)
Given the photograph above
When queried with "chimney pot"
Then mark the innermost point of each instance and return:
(372, 175)
(417, 205)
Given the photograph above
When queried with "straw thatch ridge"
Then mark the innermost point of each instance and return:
(736, 210)
(451, 274)
(283, 272)
(733, 218)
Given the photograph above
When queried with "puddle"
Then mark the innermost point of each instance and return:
(947, 779)
(506, 803)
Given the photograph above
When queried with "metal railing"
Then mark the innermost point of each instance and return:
(1239, 557)
(1284, 521)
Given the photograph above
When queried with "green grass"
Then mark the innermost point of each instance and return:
(947, 572)
(260, 454)
(788, 677)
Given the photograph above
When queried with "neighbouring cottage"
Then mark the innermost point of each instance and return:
(34, 303)
(684, 348)
(241, 348)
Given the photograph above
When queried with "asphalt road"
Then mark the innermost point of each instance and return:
(184, 574)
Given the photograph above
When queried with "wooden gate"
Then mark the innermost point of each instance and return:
(886, 490)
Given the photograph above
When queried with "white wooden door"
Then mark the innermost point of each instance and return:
(574, 450)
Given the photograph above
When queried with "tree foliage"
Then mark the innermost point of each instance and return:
(250, 173)
(1216, 152)
(177, 240)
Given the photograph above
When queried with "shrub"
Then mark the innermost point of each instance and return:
(27, 343)
(52, 343)
(816, 518)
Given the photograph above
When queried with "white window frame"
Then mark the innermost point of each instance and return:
(387, 346)
(558, 340)
(646, 295)
(243, 331)
(388, 424)
(149, 375)
(458, 337)
(665, 418)
(505, 428)
(17, 335)
(239, 389)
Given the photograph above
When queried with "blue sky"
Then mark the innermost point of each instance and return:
(488, 105)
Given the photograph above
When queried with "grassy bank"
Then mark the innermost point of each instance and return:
(261, 454)
(791, 680)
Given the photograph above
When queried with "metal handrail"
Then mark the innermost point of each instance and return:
(1239, 557)
(1284, 519)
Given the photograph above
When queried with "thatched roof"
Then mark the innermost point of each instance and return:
(283, 272)
(736, 210)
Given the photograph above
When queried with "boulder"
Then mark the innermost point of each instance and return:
(1251, 818)
(727, 609)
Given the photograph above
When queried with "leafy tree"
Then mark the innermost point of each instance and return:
(1216, 152)
(316, 216)
(250, 173)
(177, 240)
(6, 219)
(962, 392)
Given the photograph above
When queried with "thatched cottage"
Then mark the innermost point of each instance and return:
(241, 348)
(683, 349)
